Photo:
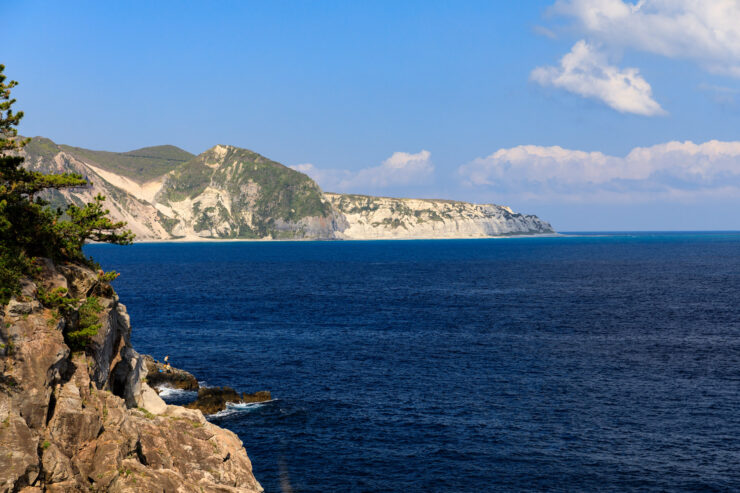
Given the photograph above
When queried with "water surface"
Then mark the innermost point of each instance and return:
(607, 362)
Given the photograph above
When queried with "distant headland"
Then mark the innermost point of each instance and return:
(167, 194)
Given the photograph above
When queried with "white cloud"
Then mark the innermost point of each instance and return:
(402, 168)
(328, 179)
(677, 171)
(585, 71)
(706, 31)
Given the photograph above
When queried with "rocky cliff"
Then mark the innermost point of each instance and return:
(87, 420)
(165, 193)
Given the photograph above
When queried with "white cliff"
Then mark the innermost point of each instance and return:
(386, 218)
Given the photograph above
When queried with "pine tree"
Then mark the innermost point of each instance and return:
(28, 227)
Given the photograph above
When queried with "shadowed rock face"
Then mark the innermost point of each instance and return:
(86, 421)
(214, 399)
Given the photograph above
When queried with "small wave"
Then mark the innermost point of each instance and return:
(238, 408)
(173, 393)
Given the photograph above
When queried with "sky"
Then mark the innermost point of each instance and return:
(595, 115)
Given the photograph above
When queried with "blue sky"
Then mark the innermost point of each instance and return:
(463, 100)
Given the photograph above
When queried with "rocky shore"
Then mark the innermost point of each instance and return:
(214, 399)
(160, 375)
(210, 400)
(89, 420)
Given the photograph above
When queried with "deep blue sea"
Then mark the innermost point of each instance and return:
(600, 362)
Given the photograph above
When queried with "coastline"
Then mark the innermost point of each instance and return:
(327, 240)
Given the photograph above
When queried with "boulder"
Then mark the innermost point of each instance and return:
(150, 401)
(57, 467)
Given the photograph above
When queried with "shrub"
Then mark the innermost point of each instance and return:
(88, 325)
(57, 299)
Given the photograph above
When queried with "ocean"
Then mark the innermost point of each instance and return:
(603, 362)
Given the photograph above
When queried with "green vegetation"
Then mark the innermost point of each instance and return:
(365, 204)
(45, 445)
(107, 277)
(168, 223)
(87, 326)
(141, 165)
(393, 223)
(42, 147)
(57, 299)
(146, 413)
(357, 204)
(267, 190)
(188, 180)
(28, 227)
(209, 217)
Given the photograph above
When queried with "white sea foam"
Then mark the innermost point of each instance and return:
(167, 392)
(238, 408)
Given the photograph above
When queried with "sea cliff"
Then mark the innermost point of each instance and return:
(371, 218)
(86, 420)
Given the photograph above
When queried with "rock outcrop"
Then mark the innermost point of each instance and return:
(86, 420)
(214, 399)
(226, 192)
(159, 376)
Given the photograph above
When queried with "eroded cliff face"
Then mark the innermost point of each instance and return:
(87, 421)
(126, 199)
(382, 217)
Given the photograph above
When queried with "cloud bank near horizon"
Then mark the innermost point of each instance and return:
(671, 172)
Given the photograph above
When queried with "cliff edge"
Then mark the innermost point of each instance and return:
(86, 420)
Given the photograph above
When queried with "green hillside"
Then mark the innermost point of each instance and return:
(266, 189)
(41, 147)
(140, 165)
